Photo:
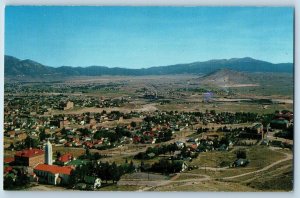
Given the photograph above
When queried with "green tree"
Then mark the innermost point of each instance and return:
(133, 124)
(8, 183)
(241, 154)
(31, 142)
(58, 154)
(42, 134)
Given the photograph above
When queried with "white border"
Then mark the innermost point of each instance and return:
(295, 3)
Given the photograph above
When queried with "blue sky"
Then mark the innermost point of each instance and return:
(136, 37)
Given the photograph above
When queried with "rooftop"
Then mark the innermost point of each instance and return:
(9, 159)
(54, 169)
(29, 153)
(65, 158)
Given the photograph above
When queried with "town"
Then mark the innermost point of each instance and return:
(125, 135)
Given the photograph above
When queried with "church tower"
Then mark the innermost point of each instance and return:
(48, 153)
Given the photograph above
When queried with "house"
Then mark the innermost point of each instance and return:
(184, 166)
(9, 160)
(240, 163)
(11, 134)
(7, 169)
(136, 139)
(64, 159)
(179, 144)
(53, 174)
(151, 155)
(289, 116)
(93, 181)
(29, 157)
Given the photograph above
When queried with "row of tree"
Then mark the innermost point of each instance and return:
(105, 171)
(157, 151)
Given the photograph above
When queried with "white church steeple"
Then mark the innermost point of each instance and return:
(48, 153)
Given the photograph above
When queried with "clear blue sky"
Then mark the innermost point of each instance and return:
(137, 37)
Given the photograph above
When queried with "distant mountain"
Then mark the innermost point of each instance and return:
(28, 68)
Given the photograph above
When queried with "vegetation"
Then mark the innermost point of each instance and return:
(105, 171)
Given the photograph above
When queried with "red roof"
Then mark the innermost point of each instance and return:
(9, 159)
(54, 169)
(29, 153)
(8, 169)
(65, 158)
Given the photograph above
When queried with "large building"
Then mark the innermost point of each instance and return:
(29, 157)
(52, 174)
(48, 153)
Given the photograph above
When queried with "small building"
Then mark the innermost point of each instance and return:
(53, 174)
(8, 160)
(151, 155)
(240, 163)
(64, 159)
(93, 181)
(29, 157)
(184, 166)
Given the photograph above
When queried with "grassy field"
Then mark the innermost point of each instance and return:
(259, 157)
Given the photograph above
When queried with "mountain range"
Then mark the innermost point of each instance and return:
(27, 68)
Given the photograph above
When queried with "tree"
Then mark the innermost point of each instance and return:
(133, 124)
(42, 135)
(114, 172)
(8, 183)
(87, 152)
(58, 154)
(131, 167)
(241, 154)
(63, 131)
(31, 143)
(11, 146)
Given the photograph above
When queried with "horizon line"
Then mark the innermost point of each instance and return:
(191, 62)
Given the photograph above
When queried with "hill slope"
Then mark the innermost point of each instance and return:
(227, 78)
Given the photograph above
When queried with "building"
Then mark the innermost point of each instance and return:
(8, 160)
(53, 174)
(48, 153)
(64, 159)
(29, 157)
(94, 182)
